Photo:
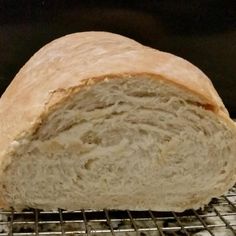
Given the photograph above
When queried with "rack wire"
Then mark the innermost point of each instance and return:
(217, 219)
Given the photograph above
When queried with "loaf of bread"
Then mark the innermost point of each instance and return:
(97, 120)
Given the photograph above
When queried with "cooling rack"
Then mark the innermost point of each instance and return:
(218, 219)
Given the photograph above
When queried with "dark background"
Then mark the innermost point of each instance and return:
(201, 31)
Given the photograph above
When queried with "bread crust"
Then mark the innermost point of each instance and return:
(67, 64)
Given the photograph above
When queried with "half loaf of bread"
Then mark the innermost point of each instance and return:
(97, 120)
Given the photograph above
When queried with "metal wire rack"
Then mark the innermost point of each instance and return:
(217, 219)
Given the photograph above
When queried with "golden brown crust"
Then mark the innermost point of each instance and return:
(82, 59)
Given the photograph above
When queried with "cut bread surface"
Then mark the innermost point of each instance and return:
(132, 142)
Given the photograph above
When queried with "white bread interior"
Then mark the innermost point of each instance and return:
(135, 141)
(132, 143)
